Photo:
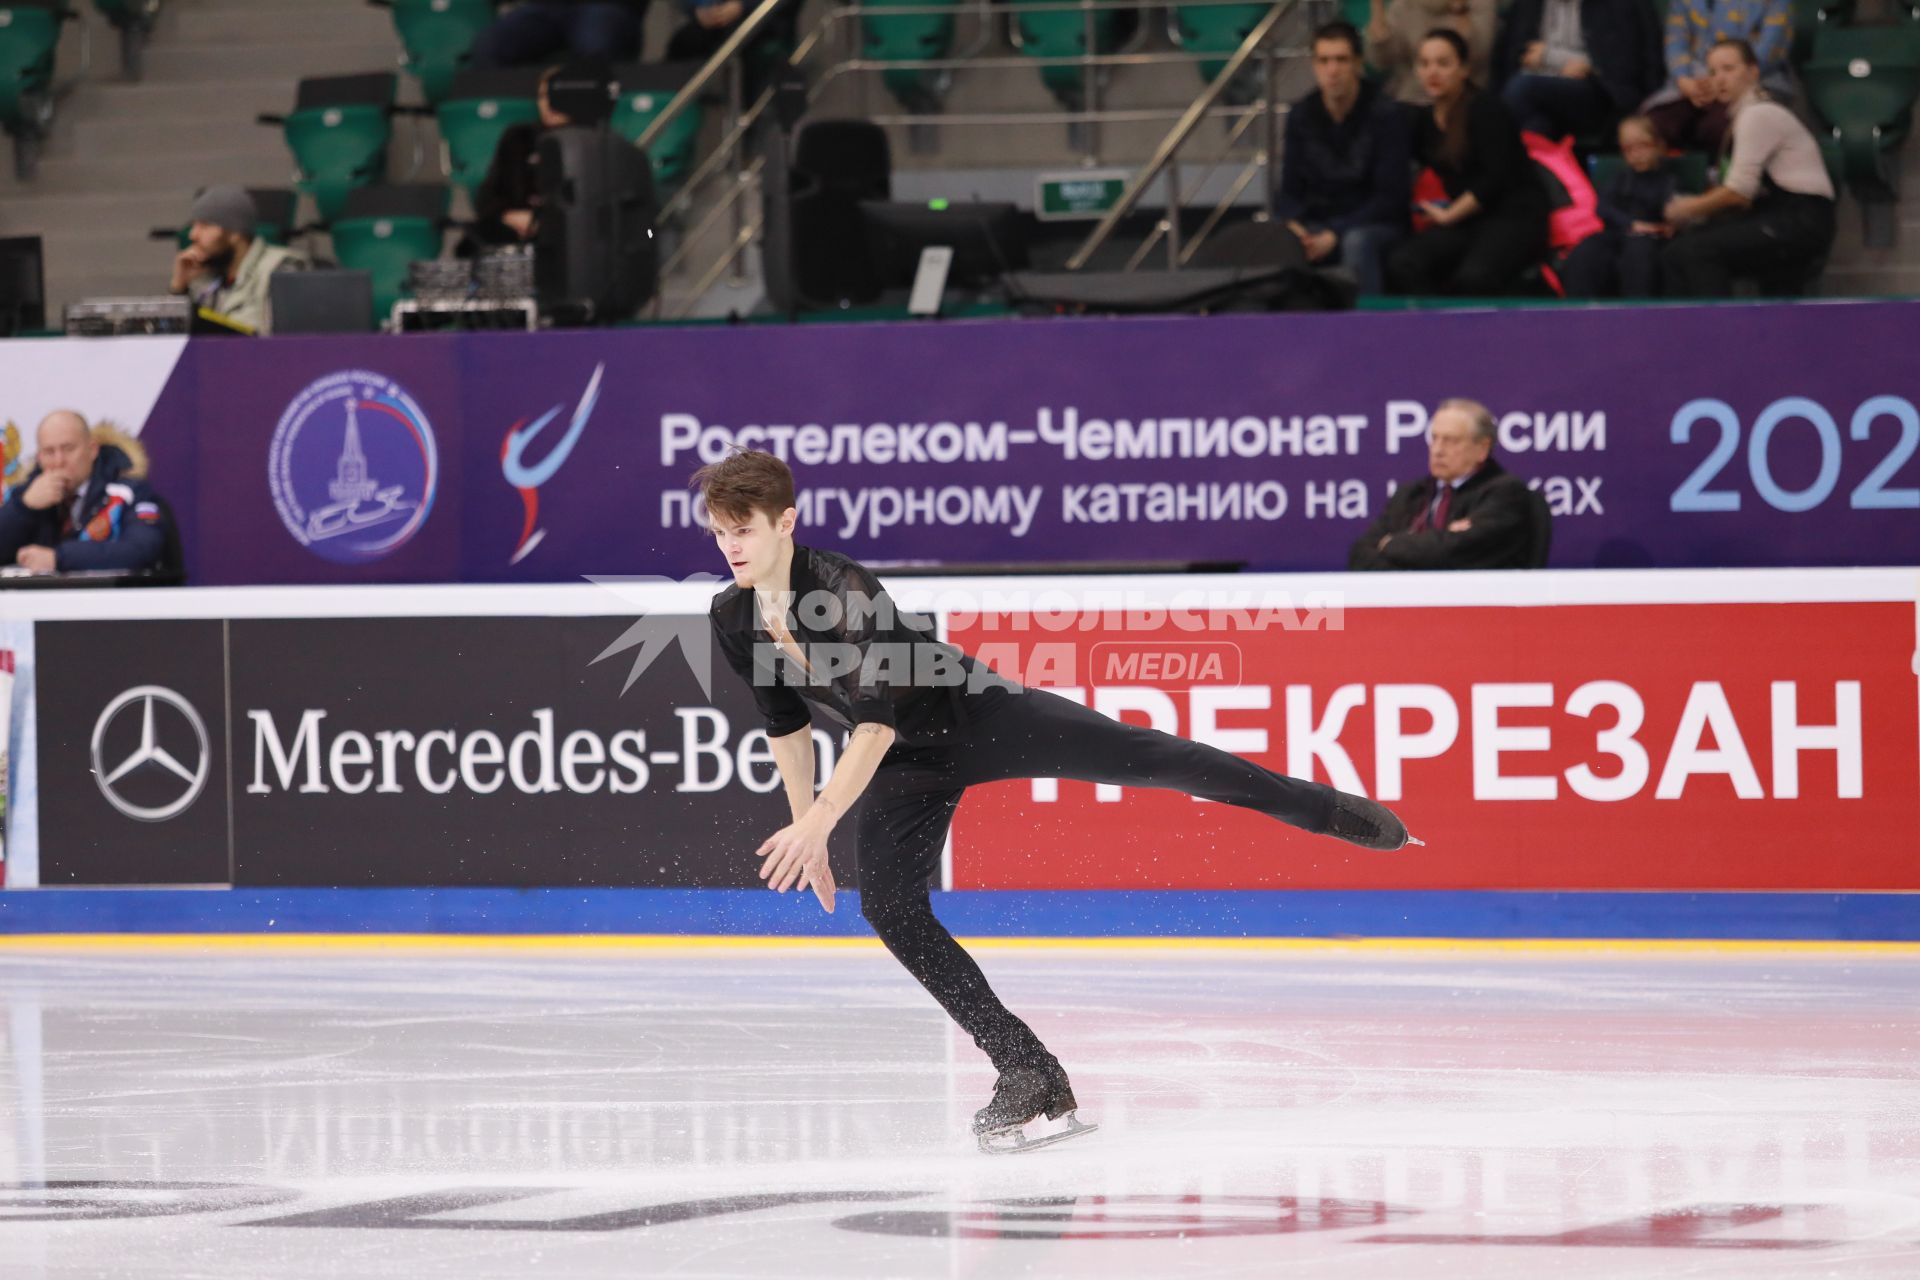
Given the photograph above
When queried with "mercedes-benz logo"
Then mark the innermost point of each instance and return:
(150, 752)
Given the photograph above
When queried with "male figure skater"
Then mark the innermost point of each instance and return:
(808, 626)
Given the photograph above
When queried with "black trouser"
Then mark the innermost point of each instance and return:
(1614, 264)
(1779, 240)
(1481, 257)
(1024, 734)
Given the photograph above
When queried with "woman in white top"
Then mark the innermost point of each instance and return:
(1771, 214)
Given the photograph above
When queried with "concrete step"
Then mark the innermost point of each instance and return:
(85, 255)
(234, 101)
(159, 175)
(115, 137)
(37, 213)
(274, 24)
(1902, 281)
(206, 62)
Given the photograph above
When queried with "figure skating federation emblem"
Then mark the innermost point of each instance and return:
(353, 467)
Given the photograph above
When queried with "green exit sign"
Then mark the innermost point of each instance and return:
(1084, 193)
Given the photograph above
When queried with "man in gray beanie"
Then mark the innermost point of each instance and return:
(224, 268)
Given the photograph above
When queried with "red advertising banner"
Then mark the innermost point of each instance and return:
(1594, 746)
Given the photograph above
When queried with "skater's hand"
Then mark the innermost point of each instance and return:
(798, 853)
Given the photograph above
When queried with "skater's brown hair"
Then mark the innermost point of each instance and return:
(743, 482)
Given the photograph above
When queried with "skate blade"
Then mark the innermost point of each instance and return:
(1014, 1142)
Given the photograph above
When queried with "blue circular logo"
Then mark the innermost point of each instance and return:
(353, 467)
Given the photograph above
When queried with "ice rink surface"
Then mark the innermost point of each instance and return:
(246, 1113)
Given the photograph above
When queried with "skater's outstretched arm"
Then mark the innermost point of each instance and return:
(798, 851)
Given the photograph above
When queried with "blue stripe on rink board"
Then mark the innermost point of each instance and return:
(1860, 917)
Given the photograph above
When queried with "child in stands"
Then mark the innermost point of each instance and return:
(1624, 260)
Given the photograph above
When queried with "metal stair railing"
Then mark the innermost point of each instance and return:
(1165, 156)
(729, 157)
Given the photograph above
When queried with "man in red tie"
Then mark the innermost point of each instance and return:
(1468, 512)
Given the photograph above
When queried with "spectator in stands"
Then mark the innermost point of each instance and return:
(1570, 67)
(1686, 110)
(1468, 512)
(1343, 171)
(224, 267)
(536, 31)
(1772, 214)
(1493, 224)
(1624, 259)
(710, 22)
(506, 205)
(86, 505)
(1398, 27)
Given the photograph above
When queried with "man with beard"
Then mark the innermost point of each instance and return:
(224, 268)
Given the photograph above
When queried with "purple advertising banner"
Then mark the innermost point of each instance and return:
(1686, 436)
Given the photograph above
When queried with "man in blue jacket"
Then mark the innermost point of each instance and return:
(85, 506)
(1344, 185)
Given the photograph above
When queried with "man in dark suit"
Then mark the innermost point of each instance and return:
(1576, 66)
(1466, 513)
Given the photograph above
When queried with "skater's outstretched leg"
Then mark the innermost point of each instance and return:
(1037, 734)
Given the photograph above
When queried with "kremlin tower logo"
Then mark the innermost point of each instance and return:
(353, 467)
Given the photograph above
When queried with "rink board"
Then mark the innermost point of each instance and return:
(1730, 754)
(388, 918)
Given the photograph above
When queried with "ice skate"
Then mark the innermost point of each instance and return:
(1023, 1096)
(1367, 823)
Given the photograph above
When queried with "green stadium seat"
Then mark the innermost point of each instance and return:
(645, 91)
(478, 108)
(384, 231)
(134, 20)
(1061, 33)
(338, 132)
(1862, 81)
(1694, 169)
(438, 37)
(909, 37)
(1809, 17)
(1216, 28)
(1360, 13)
(29, 35)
